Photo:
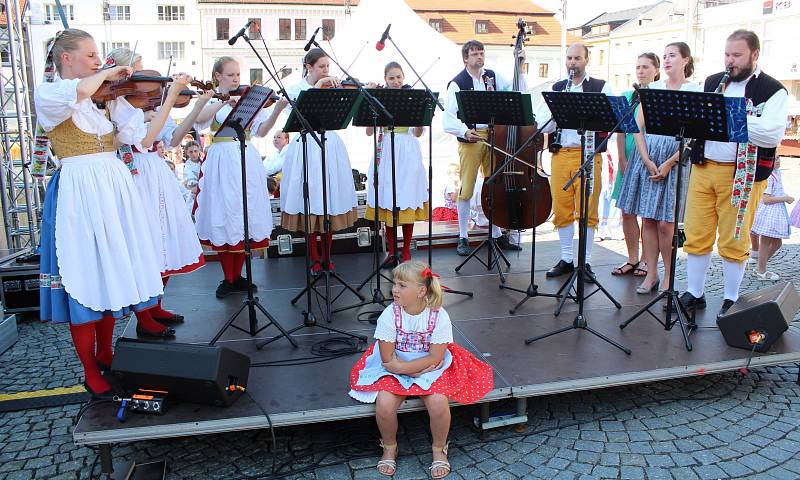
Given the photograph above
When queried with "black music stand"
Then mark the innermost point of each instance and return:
(409, 108)
(493, 108)
(325, 110)
(582, 111)
(700, 116)
(235, 124)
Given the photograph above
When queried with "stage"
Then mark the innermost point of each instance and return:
(299, 394)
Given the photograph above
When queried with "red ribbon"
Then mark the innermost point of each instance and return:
(427, 273)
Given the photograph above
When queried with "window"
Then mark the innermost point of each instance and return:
(544, 70)
(481, 26)
(254, 32)
(616, 81)
(51, 12)
(328, 28)
(171, 13)
(175, 50)
(299, 28)
(284, 29)
(601, 57)
(223, 28)
(256, 76)
(436, 24)
(628, 79)
(109, 46)
(117, 13)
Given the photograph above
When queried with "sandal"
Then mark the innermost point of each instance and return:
(639, 271)
(390, 464)
(442, 464)
(621, 269)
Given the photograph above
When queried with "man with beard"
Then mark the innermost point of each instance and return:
(471, 152)
(566, 161)
(727, 179)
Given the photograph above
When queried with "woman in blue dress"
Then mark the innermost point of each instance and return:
(648, 188)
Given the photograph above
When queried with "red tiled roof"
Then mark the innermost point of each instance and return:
(514, 7)
(353, 3)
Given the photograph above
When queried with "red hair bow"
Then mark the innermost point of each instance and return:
(427, 273)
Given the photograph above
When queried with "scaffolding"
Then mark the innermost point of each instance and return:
(20, 193)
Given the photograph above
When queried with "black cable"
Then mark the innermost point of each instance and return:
(271, 428)
(322, 351)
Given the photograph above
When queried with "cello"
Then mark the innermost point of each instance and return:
(510, 196)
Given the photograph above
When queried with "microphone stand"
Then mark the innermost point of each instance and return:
(430, 165)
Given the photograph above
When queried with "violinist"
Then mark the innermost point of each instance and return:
(171, 227)
(218, 204)
(411, 178)
(472, 153)
(567, 159)
(341, 201)
(94, 266)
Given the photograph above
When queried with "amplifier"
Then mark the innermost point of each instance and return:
(759, 318)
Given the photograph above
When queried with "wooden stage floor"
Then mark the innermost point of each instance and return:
(574, 360)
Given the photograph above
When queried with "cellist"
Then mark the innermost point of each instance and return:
(472, 152)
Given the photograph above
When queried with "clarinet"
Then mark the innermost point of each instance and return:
(691, 145)
(555, 142)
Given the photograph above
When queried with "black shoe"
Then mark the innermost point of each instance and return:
(224, 289)
(240, 284)
(107, 395)
(560, 268)
(389, 263)
(463, 247)
(505, 244)
(726, 304)
(104, 368)
(691, 303)
(171, 320)
(166, 333)
(588, 274)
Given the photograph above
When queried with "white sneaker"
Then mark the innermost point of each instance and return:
(752, 260)
(767, 276)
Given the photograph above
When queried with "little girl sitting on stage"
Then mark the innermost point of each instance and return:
(416, 356)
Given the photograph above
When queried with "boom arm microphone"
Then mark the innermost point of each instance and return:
(240, 33)
(313, 39)
(382, 42)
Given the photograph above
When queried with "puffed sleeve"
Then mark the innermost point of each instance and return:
(207, 124)
(443, 331)
(129, 121)
(56, 102)
(261, 117)
(167, 131)
(385, 330)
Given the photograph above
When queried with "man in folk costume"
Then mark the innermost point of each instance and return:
(566, 147)
(727, 179)
(472, 153)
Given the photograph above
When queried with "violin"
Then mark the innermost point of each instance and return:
(347, 83)
(143, 83)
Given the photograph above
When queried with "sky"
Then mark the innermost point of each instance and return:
(580, 11)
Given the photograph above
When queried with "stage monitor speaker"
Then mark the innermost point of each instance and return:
(759, 318)
(211, 375)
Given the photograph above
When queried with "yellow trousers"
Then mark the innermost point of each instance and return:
(471, 156)
(710, 216)
(567, 203)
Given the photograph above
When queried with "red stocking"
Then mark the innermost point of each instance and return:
(157, 312)
(327, 244)
(390, 234)
(145, 320)
(238, 261)
(83, 339)
(313, 247)
(408, 232)
(226, 262)
(104, 331)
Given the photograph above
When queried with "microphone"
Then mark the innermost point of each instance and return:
(635, 96)
(313, 38)
(382, 42)
(240, 33)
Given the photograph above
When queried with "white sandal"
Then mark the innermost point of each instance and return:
(767, 276)
(387, 463)
(440, 463)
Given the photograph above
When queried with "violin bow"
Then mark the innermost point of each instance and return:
(164, 91)
(508, 155)
(426, 71)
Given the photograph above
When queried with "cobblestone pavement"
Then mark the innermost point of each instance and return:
(709, 427)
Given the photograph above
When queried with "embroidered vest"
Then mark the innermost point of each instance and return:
(413, 341)
(67, 140)
(759, 89)
(593, 85)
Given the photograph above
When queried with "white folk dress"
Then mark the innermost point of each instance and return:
(341, 191)
(411, 179)
(171, 227)
(93, 257)
(218, 204)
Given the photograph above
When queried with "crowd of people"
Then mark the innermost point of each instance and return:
(116, 225)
